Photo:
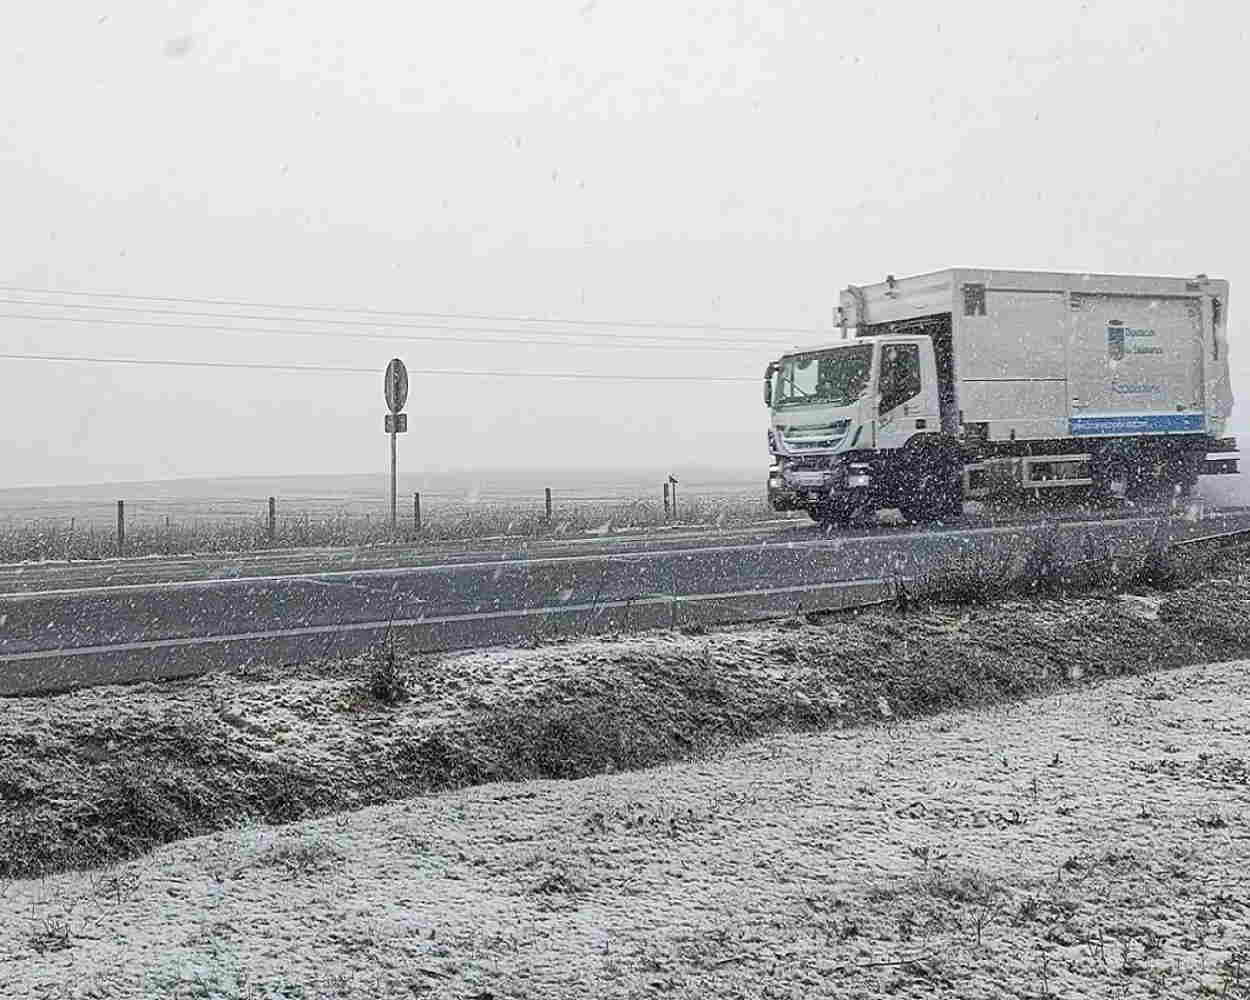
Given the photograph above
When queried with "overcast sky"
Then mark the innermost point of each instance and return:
(729, 165)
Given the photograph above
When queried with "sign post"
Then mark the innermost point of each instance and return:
(395, 389)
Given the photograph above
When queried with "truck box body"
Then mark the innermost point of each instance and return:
(1052, 356)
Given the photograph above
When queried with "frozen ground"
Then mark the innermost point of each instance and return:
(1090, 844)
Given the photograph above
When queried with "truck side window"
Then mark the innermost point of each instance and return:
(900, 375)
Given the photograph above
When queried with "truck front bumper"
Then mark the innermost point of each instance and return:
(817, 484)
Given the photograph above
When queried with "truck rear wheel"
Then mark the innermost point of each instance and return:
(1144, 472)
(1190, 470)
(1179, 472)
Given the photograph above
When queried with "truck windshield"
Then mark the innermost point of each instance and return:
(832, 378)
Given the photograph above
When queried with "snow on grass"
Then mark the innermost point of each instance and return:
(1087, 844)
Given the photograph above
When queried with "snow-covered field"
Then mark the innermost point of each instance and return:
(1090, 844)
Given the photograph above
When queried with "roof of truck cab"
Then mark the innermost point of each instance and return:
(836, 340)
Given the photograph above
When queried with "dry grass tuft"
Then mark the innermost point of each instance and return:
(300, 856)
(387, 681)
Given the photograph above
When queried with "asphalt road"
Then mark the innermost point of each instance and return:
(66, 625)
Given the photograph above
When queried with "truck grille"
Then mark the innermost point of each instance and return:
(799, 436)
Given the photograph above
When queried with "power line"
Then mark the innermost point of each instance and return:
(147, 310)
(481, 317)
(337, 369)
(95, 320)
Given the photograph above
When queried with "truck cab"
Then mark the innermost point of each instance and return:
(839, 411)
(870, 392)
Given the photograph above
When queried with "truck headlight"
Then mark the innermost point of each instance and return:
(858, 474)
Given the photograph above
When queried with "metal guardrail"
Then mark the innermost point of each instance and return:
(47, 670)
(1224, 538)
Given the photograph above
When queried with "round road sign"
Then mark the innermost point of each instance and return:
(396, 386)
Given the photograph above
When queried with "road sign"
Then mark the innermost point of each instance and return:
(396, 386)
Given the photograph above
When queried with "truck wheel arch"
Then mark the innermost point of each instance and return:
(947, 444)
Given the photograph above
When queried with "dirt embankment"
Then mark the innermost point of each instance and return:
(1089, 844)
(103, 774)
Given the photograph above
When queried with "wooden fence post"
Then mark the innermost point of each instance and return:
(273, 518)
(548, 503)
(416, 512)
(121, 527)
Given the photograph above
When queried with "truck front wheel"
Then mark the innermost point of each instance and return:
(832, 514)
(934, 488)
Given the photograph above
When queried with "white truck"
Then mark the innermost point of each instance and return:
(952, 385)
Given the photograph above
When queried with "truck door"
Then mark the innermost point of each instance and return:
(906, 393)
(1135, 365)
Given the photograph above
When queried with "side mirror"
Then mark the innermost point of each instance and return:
(768, 384)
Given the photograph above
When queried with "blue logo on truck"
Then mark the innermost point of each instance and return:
(1137, 423)
(1122, 340)
(1115, 340)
